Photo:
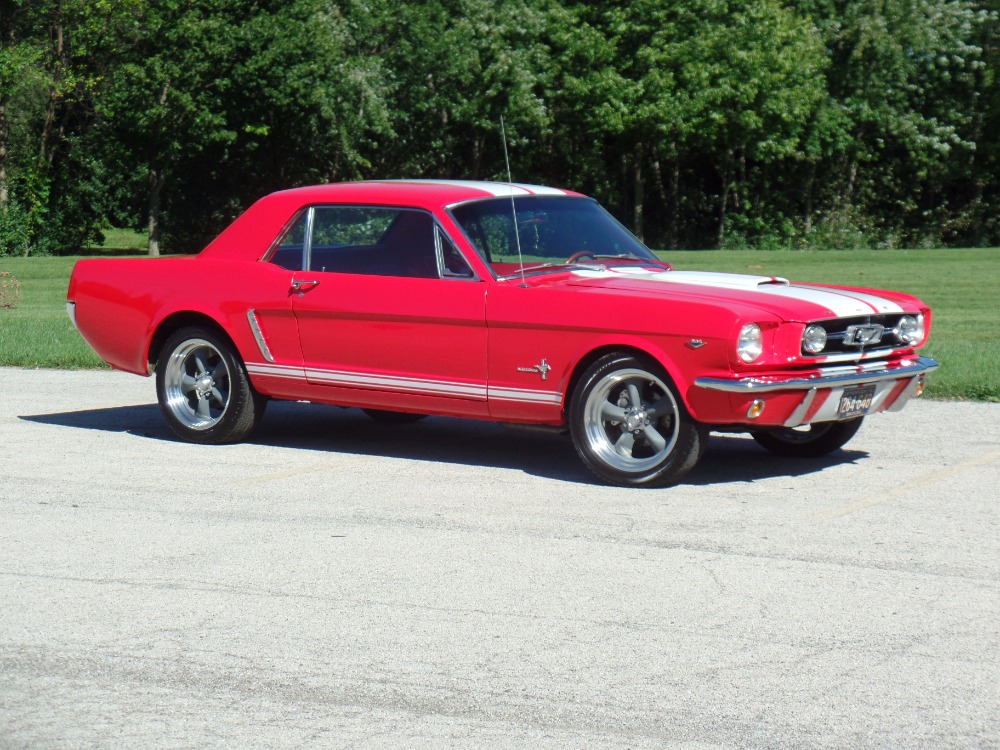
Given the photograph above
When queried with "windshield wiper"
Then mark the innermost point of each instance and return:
(548, 266)
(593, 263)
(632, 258)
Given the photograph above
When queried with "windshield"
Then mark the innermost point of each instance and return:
(553, 232)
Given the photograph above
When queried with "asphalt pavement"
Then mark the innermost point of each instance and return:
(340, 583)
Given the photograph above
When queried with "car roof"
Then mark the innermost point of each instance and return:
(254, 230)
(418, 193)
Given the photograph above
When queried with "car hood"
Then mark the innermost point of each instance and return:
(790, 301)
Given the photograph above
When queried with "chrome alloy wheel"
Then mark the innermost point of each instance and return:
(197, 384)
(631, 420)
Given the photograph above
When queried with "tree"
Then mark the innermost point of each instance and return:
(456, 67)
(902, 81)
(53, 56)
(218, 102)
(712, 89)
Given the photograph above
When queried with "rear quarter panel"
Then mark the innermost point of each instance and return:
(120, 303)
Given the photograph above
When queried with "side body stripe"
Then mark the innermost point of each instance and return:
(448, 388)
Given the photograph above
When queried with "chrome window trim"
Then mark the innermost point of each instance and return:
(538, 271)
(440, 237)
(268, 256)
(307, 240)
(440, 233)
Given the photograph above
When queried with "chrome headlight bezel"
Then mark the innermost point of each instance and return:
(910, 330)
(814, 339)
(750, 343)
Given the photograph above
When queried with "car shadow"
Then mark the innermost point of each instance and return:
(737, 458)
(729, 458)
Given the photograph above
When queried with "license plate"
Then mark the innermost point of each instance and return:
(856, 401)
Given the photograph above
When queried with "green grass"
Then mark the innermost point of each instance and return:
(38, 333)
(959, 285)
(116, 240)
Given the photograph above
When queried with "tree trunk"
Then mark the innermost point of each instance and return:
(675, 199)
(807, 210)
(3, 152)
(46, 149)
(661, 191)
(156, 182)
(726, 174)
(852, 176)
(478, 144)
(638, 193)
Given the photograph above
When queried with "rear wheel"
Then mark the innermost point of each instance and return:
(203, 389)
(629, 425)
(810, 441)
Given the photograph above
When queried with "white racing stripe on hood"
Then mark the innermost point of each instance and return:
(841, 304)
(880, 304)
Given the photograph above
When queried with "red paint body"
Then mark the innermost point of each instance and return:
(486, 345)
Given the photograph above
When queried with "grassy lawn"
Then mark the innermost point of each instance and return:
(38, 333)
(959, 285)
(124, 241)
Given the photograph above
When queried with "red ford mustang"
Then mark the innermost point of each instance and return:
(514, 303)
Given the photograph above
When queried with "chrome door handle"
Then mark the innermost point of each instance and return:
(304, 285)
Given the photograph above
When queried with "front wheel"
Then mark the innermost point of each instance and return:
(811, 441)
(629, 425)
(203, 388)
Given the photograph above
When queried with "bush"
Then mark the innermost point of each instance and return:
(10, 290)
(843, 229)
(15, 230)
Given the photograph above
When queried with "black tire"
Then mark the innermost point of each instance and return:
(811, 441)
(203, 388)
(393, 417)
(629, 425)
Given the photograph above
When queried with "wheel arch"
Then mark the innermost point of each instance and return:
(630, 348)
(174, 322)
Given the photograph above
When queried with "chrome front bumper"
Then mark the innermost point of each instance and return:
(749, 385)
(885, 378)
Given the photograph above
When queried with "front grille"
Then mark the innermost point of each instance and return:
(860, 334)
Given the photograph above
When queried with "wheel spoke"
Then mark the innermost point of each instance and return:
(625, 444)
(220, 399)
(634, 397)
(655, 439)
(199, 363)
(203, 408)
(188, 383)
(219, 371)
(612, 412)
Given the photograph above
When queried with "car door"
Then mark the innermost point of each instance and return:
(389, 314)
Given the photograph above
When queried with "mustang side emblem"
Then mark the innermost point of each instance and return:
(542, 367)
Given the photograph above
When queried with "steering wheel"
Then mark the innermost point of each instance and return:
(580, 256)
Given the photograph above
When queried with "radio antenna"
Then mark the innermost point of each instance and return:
(513, 209)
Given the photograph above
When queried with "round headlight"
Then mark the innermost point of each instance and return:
(751, 342)
(910, 330)
(814, 339)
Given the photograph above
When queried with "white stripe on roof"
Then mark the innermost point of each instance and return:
(493, 188)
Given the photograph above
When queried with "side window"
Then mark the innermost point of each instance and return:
(290, 252)
(346, 227)
(452, 263)
(374, 241)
